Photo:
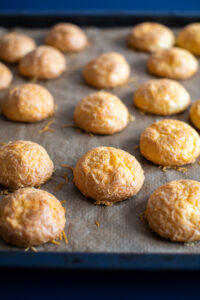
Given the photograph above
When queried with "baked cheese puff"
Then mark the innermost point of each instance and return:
(45, 62)
(24, 164)
(101, 113)
(161, 97)
(108, 175)
(174, 63)
(170, 143)
(150, 36)
(30, 217)
(107, 71)
(173, 211)
(28, 103)
(13, 46)
(189, 38)
(6, 77)
(195, 114)
(67, 37)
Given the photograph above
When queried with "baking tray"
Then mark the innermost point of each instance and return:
(121, 241)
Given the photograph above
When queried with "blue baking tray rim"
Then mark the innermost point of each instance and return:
(93, 261)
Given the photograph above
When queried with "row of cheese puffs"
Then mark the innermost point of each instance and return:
(30, 216)
(45, 62)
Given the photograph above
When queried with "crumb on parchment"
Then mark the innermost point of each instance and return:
(97, 223)
(46, 127)
(143, 218)
(179, 169)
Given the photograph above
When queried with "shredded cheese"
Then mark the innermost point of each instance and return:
(46, 127)
(131, 117)
(180, 169)
(59, 186)
(55, 242)
(33, 249)
(66, 177)
(142, 218)
(63, 201)
(164, 169)
(4, 192)
(68, 167)
(189, 244)
(65, 237)
(97, 223)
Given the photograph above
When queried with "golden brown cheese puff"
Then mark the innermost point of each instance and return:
(195, 114)
(149, 36)
(161, 97)
(5, 77)
(24, 164)
(67, 37)
(28, 103)
(108, 175)
(30, 217)
(170, 143)
(173, 63)
(189, 38)
(101, 113)
(173, 211)
(13, 46)
(44, 62)
(107, 71)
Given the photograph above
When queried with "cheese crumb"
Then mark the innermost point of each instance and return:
(131, 117)
(65, 237)
(46, 127)
(180, 169)
(189, 244)
(142, 218)
(55, 242)
(34, 249)
(97, 223)
(66, 177)
(4, 192)
(68, 167)
(59, 186)
(63, 201)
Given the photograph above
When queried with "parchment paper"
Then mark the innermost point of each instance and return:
(120, 228)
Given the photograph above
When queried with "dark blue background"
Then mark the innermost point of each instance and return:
(70, 285)
(21, 284)
(60, 5)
